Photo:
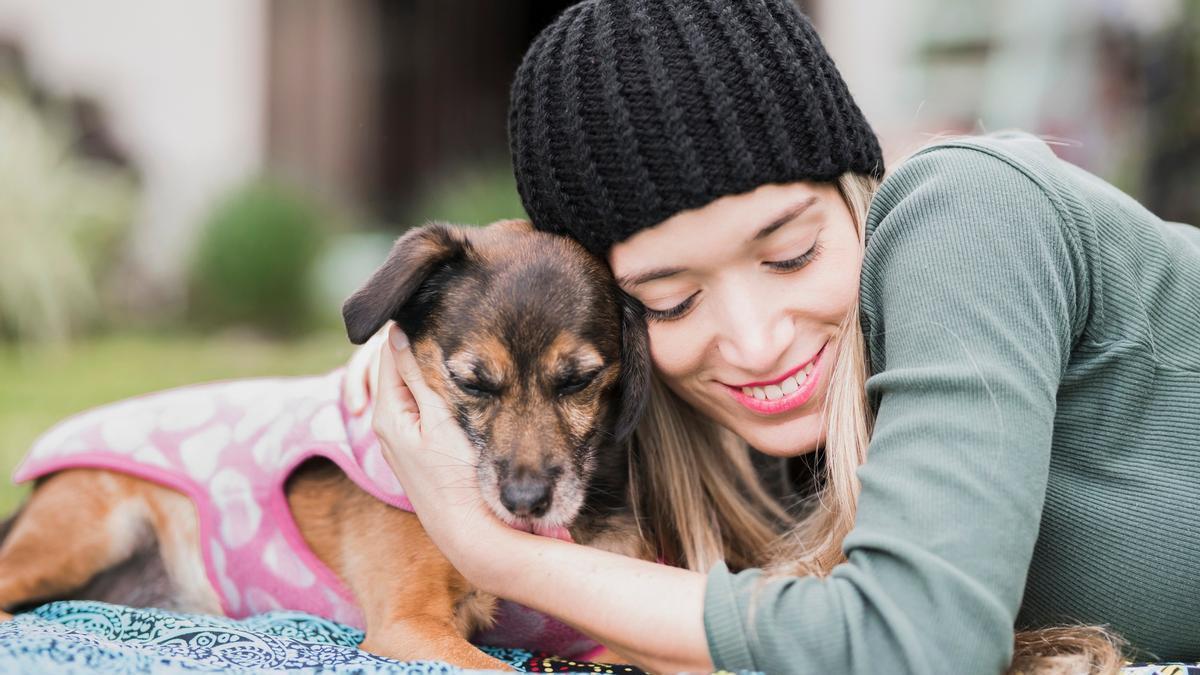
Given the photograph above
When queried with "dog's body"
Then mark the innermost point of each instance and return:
(522, 334)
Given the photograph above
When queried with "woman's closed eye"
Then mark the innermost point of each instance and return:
(793, 264)
(674, 312)
(782, 266)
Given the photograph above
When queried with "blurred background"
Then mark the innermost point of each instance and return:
(188, 190)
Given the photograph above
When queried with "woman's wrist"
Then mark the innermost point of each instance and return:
(649, 613)
(467, 533)
(482, 550)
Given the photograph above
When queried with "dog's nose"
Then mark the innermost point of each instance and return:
(526, 496)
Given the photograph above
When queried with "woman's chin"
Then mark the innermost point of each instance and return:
(791, 440)
(783, 438)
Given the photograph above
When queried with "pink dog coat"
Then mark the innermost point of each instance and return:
(230, 447)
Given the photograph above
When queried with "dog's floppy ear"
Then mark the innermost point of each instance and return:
(414, 256)
(635, 366)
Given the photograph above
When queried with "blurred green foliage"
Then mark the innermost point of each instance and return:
(253, 265)
(475, 195)
(41, 384)
(63, 219)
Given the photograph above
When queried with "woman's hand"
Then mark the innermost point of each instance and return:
(429, 453)
(362, 372)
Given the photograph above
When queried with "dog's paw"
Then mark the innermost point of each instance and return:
(463, 654)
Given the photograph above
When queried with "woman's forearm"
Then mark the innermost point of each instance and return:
(649, 613)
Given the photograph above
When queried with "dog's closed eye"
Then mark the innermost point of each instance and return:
(473, 377)
(571, 365)
(477, 387)
(575, 382)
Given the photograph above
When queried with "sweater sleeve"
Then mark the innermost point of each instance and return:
(973, 292)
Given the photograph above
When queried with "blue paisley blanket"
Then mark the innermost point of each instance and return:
(90, 637)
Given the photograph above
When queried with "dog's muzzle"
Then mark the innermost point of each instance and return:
(527, 494)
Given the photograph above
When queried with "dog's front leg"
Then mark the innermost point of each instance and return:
(416, 605)
(421, 638)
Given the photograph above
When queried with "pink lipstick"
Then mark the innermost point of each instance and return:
(785, 393)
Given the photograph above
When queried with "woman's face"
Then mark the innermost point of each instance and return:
(745, 298)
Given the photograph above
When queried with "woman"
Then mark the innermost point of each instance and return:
(994, 353)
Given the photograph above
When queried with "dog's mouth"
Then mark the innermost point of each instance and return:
(552, 531)
(564, 496)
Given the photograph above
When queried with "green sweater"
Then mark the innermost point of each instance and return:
(1034, 340)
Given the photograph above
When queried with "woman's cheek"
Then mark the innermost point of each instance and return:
(835, 297)
(831, 289)
(675, 349)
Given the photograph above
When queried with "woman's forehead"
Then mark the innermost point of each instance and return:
(733, 220)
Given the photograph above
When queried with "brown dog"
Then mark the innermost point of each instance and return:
(545, 366)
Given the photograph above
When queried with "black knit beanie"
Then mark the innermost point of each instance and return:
(626, 112)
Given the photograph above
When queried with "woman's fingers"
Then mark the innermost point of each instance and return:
(362, 373)
(373, 365)
(371, 380)
(430, 406)
(393, 398)
(354, 384)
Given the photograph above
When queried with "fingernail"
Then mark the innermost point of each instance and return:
(399, 339)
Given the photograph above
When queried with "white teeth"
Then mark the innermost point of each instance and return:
(773, 392)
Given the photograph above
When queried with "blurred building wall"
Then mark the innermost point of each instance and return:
(322, 88)
(1072, 71)
(373, 101)
(181, 85)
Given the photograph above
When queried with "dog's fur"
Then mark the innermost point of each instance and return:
(545, 366)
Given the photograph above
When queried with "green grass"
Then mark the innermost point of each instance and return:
(43, 384)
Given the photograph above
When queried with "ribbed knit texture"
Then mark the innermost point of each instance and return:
(1035, 349)
(626, 112)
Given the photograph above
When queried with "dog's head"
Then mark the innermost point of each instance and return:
(542, 359)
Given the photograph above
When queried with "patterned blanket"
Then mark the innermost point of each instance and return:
(90, 637)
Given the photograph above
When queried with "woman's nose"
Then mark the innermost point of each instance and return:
(755, 333)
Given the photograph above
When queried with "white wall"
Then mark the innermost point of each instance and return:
(871, 41)
(182, 84)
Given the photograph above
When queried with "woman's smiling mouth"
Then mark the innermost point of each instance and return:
(785, 393)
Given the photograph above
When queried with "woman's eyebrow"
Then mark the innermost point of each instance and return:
(784, 218)
(651, 275)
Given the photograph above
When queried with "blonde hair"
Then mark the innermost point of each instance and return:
(699, 500)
